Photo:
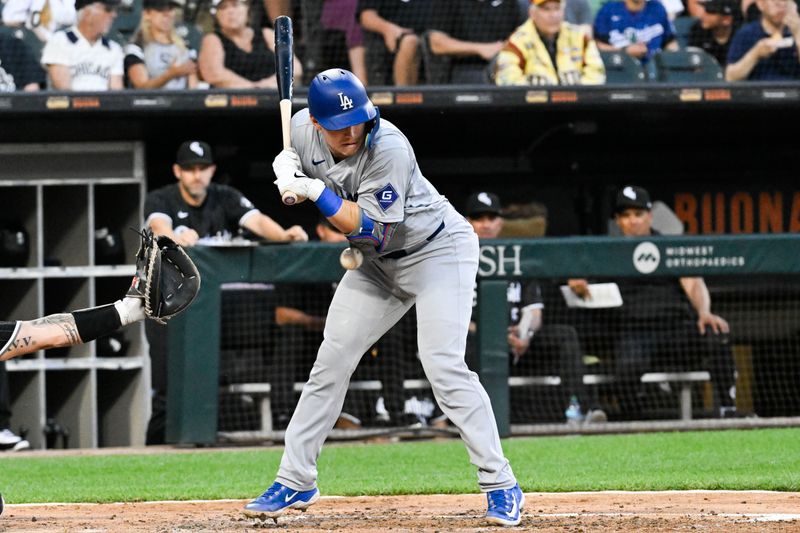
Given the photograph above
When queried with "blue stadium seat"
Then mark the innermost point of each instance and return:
(685, 66)
(682, 27)
(622, 68)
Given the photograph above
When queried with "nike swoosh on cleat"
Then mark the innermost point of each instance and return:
(289, 497)
(315, 163)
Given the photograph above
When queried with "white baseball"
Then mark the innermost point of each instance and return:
(351, 258)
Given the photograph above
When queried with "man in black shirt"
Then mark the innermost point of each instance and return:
(665, 322)
(472, 32)
(188, 211)
(715, 28)
(194, 208)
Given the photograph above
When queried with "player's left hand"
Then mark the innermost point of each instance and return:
(286, 163)
(716, 323)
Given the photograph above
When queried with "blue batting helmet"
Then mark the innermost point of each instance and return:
(337, 100)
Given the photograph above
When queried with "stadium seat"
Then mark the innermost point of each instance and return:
(129, 16)
(682, 27)
(191, 34)
(27, 36)
(377, 59)
(685, 66)
(436, 67)
(491, 70)
(622, 68)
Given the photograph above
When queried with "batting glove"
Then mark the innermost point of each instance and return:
(301, 185)
(286, 162)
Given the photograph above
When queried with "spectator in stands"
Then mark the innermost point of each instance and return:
(157, 57)
(638, 27)
(187, 211)
(19, 70)
(235, 55)
(276, 8)
(341, 15)
(43, 17)
(548, 51)
(82, 58)
(767, 50)
(533, 347)
(714, 30)
(665, 322)
(401, 24)
(471, 34)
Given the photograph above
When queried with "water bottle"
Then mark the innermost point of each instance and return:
(573, 411)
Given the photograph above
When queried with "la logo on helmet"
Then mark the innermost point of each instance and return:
(345, 102)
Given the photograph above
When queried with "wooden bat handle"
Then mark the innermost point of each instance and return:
(288, 197)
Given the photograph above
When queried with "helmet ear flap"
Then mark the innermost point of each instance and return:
(372, 128)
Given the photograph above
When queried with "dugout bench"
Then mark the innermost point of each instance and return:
(260, 392)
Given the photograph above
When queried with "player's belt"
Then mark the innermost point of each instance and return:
(397, 254)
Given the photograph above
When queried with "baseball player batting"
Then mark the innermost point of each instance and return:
(361, 173)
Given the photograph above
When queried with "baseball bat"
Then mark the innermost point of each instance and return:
(284, 55)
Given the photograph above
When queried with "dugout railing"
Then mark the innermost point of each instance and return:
(194, 336)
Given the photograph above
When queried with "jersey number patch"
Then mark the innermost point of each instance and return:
(386, 196)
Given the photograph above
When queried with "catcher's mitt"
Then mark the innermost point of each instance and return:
(166, 278)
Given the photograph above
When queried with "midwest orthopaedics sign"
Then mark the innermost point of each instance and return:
(647, 257)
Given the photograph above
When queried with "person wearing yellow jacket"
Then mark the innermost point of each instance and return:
(548, 51)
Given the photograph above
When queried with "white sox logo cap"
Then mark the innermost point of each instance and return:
(632, 197)
(482, 203)
(194, 153)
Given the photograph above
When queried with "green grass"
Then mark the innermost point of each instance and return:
(735, 460)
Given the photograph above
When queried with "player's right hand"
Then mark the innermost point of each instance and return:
(302, 186)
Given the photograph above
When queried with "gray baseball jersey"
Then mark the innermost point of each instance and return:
(437, 274)
(384, 180)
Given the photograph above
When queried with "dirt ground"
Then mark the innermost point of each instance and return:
(721, 511)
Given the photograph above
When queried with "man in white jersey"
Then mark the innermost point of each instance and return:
(82, 58)
(362, 175)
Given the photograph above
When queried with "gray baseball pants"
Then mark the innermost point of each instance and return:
(439, 278)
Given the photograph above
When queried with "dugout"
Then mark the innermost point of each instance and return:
(723, 157)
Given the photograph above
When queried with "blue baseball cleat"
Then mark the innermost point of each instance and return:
(505, 506)
(277, 499)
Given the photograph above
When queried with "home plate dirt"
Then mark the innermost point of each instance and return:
(707, 511)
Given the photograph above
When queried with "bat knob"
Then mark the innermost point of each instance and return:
(289, 198)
